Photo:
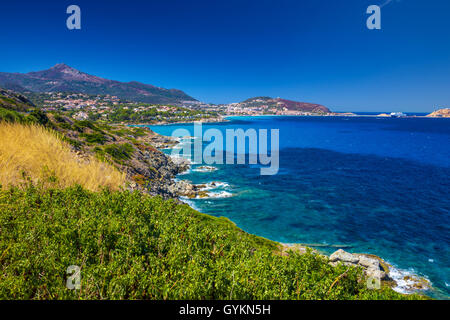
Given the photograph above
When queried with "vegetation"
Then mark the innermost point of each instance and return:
(10, 116)
(133, 246)
(13, 101)
(94, 137)
(152, 114)
(120, 151)
(31, 152)
(58, 209)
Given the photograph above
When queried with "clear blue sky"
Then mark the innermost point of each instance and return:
(227, 51)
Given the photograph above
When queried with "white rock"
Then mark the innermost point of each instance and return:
(369, 262)
(344, 256)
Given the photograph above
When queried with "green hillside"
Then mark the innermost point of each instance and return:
(133, 246)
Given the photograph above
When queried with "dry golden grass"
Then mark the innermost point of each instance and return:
(29, 152)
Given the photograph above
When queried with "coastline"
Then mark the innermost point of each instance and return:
(402, 281)
(226, 118)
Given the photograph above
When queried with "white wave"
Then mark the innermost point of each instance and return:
(213, 185)
(210, 195)
(187, 171)
(190, 203)
(219, 184)
(205, 169)
(405, 280)
(221, 194)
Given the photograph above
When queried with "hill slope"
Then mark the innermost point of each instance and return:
(62, 78)
(13, 101)
(133, 246)
(284, 104)
(31, 153)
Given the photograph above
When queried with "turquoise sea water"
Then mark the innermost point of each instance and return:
(372, 185)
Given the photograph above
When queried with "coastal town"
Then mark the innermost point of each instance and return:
(110, 108)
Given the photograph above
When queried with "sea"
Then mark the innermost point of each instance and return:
(365, 184)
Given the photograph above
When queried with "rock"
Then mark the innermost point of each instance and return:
(343, 256)
(373, 272)
(441, 113)
(369, 262)
(370, 265)
(206, 169)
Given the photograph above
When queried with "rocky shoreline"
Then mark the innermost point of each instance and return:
(203, 120)
(153, 172)
(375, 269)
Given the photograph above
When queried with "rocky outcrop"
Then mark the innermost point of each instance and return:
(154, 172)
(377, 268)
(371, 266)
(442, 113)
(14, 101)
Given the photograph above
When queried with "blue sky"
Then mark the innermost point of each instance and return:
(227, 51)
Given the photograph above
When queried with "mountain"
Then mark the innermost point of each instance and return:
(285, 105)
(62, 78)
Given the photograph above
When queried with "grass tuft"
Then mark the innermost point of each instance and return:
(31, 153)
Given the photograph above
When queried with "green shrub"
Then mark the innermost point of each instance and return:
(74, 143)
(10, 116)
(133, 246)
(120, 151)
(59, 118)
(39, 117)
(94, 137)
(65, 125)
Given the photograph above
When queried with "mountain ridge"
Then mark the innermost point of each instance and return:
(63, 78)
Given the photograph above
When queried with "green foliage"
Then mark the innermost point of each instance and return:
(13, 101)
(59, 118)
(94, 137)
(65, 126)
(94, 116)
(10, 116)
(38, 116)
(133, 246)
(130, 131)
(151, 113)
(74, 143)
(120, 151)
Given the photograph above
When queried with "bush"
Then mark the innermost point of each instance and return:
(120, 151)
(38, 117)
(10, 116)
(133, 246)
(94, 137)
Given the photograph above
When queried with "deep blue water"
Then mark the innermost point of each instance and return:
(372, 185)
